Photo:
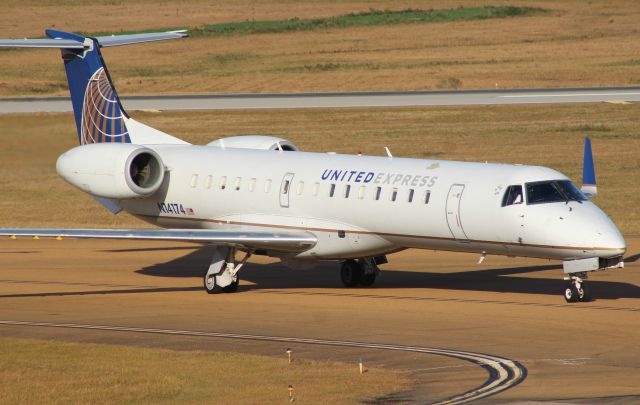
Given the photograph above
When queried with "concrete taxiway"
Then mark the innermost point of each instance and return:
(342, 100)
(140, 293)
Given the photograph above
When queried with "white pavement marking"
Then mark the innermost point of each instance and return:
(503, 373)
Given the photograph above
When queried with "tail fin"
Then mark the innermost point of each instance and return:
(98, 111)
(589, 187)
(96, 106)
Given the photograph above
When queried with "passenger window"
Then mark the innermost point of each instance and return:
(347, 190)
(252, 184)
(194, 181)
(223, 182)
(238, 180)
(209, 181)
(332, 190)
(410, 199)
(267, 185)
(427, 196)
(512, 196)
(361, 191)
(300, 187)
(316, 187)
(378, 193)
(394, 194)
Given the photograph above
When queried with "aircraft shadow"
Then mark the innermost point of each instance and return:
(325, 275)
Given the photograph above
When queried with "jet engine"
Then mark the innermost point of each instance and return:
(263, 142)
(112, 170)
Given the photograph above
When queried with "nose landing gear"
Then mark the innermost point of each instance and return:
(577, 290)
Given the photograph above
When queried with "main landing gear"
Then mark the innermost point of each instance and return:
(222, 274)
(577, 290)
(362, 271)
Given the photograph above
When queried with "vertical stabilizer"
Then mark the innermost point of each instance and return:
(98, 112)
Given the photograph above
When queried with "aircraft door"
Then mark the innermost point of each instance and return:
(453, 212)
(285, 189)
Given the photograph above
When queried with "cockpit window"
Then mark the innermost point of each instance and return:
(541, 192)
(513, 195)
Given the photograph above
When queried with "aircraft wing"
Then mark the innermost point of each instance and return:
(278, 241)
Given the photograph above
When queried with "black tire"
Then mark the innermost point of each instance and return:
(367, 280)
(233, 287)
(584, 293)
(350, 273)
(211, 287)
(571, 293)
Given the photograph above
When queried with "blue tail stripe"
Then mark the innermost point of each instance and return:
(588, 169)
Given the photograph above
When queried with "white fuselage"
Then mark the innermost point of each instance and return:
(212, 187)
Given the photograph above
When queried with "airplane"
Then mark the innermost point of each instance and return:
(261, 195)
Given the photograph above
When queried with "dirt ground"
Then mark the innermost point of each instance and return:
(507, 307)
(575, 43)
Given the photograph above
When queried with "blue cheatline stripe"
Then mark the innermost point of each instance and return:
(588, 170)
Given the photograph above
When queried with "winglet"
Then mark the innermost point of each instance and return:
(589, 187)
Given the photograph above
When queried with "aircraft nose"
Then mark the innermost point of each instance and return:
(611, 241)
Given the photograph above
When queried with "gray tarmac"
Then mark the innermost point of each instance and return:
(341, 100)
(506, 307)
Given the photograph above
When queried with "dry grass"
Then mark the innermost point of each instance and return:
(551, 136)
(61, 373)
(576, 44)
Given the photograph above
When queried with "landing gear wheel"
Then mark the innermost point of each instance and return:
(210, 284)
(571, 293)
(233, 287)
(367, 280)
(350, 273)
(584, 293)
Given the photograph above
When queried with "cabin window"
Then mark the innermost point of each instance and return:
(208, 181)
(347, 190)
(267, 185)
(361, 191)
(252, 184)
(332, 190)
(194, 181)
(300, 188)
(285, 187)
(378, 193)
(223, 182)
(427, 196)
(513, 195)
(237, 184)
(410, 197)
(394, 194)
(316, 187)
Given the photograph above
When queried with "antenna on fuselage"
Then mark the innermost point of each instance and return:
(222, 143)
(389, 155)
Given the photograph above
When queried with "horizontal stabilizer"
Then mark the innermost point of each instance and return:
(43, 43)
(281, 241)
(54, 41)
(114, 40)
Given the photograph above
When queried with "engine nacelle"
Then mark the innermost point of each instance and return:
(112, 170)
(263, 142)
